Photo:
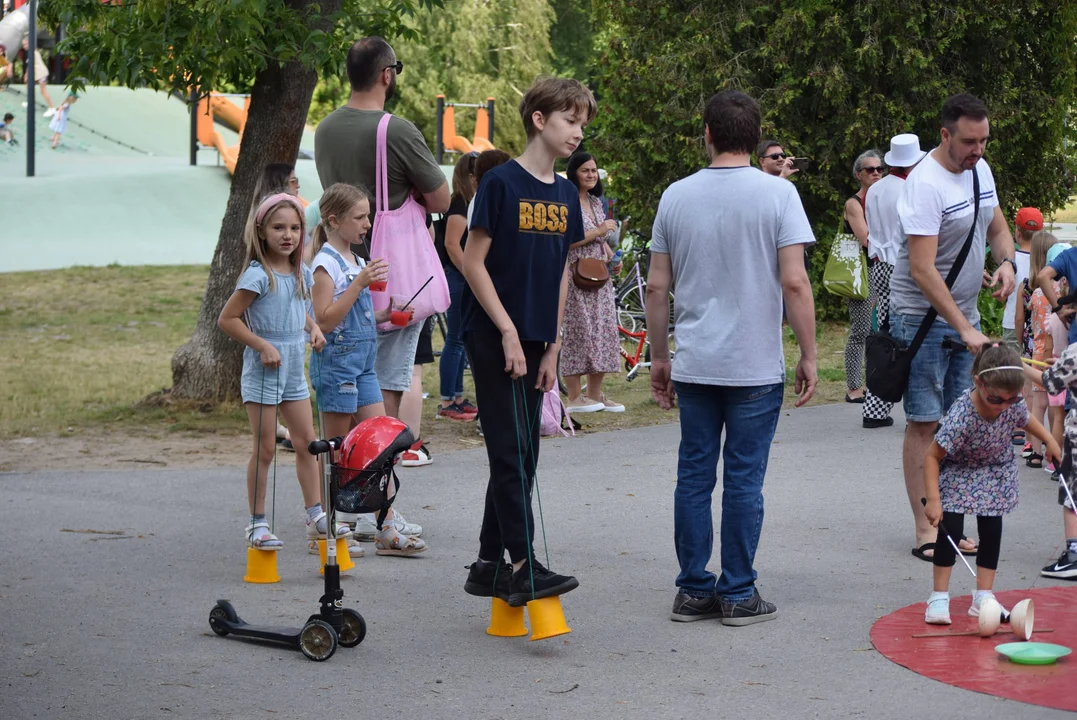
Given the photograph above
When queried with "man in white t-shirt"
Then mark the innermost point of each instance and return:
(731, 239)
(936, 212)
(884, 238)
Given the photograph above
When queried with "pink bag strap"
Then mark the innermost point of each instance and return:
(381, 166)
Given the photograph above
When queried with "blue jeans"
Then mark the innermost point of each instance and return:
(749, 416)
(453, 358)
(938, 375)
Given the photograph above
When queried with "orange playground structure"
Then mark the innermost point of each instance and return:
(448, 140)
(220, 107)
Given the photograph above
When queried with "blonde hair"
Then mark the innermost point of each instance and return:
(254, 236)
(1037, 255)
(337, 200)
(548, 95)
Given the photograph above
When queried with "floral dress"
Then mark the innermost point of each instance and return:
(590, 332)
(978, 476)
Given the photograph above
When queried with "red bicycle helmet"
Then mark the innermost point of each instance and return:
(365, 464)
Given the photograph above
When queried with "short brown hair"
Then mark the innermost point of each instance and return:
(548, 95)
(959, 106)
(734, 121)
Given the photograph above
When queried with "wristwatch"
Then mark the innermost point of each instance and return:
(1012, 264)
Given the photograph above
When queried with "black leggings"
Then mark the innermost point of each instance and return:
(988, 526)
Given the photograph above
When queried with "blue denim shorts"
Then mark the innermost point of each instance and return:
(938, 375)
(343, 374)
(272, 386)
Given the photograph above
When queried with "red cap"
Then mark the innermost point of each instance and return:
(1029, 219)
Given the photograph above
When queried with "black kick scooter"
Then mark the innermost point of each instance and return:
(334, 624)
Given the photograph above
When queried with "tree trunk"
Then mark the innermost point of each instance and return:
(208, 366)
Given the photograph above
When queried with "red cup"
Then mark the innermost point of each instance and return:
(400, 318)
(378, 286)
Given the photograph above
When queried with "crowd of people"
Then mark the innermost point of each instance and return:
(517, 243)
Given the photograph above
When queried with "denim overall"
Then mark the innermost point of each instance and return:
(343, 372)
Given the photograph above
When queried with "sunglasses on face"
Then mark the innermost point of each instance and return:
(873, 169)
(399, 67)
(776, 156)
(996, 400)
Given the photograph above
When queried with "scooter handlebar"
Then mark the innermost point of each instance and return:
(320, 447)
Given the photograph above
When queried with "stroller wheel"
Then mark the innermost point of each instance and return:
(318, 640)
(352, 628)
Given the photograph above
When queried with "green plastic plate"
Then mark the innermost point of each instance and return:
(1033, 653)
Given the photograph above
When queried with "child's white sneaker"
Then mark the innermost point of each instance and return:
(938, 609)
(977, 600)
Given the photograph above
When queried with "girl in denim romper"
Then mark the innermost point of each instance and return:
(342, 373)
(268, 314)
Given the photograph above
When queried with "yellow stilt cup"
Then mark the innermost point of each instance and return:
(261, 566)
(506, 621)
(344, 560)
(547, 618)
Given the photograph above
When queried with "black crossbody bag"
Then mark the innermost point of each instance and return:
(887, 359)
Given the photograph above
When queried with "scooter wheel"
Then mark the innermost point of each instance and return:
(221, 611)
(318, 640)
(352, 628)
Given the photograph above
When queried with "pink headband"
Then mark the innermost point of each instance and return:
(273, 200)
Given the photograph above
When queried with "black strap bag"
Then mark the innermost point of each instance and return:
(887, 359)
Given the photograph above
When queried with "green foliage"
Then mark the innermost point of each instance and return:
(468, 51)
(173, 45)
(991, 311)
(834, 77)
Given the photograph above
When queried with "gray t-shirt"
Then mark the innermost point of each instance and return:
(722, 228)
(936, 201)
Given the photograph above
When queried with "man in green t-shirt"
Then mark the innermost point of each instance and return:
(344, 151)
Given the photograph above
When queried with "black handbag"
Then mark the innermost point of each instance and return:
(888, 361)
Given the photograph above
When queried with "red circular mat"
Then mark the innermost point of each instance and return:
(972, 663)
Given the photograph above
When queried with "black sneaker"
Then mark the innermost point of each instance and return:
(546, 584)
(1065, 568)
(747, 612)
(871, 423)
(480, 581)
(689, 609)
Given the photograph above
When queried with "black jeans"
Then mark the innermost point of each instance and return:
(989, 528)
(509, 411)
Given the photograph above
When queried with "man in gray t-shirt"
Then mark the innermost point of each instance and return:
(936, 209)
(729, 239)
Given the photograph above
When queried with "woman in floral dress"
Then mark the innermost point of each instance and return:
(589, 345)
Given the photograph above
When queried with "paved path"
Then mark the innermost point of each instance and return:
(97, 626)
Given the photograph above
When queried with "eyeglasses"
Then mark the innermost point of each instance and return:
(873, 169)
(472, 158)
(776, 156)
(399, 67)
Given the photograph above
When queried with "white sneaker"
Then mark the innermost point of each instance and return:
(584, 405)
(50, 112)
(611, 406)
(416, 456)
(974, 608)
(938, 611)
(366, 527)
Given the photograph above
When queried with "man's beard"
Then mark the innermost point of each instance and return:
(391, 90)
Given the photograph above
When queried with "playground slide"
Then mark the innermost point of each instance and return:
(452, 141)
(207, 134)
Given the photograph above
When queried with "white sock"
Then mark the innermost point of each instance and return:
(980, 594)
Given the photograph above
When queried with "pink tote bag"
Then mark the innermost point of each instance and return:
(400, 236)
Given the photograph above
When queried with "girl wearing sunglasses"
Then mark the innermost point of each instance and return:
(971, 469)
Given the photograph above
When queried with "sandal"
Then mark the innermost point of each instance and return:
(263, 541)
(921, 552)
(1018, 437)
(1035, 460)
(1026, 450)
(855, 400)
(315, 533)
(391, 542)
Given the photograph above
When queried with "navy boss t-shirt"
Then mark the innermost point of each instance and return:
(531, 224)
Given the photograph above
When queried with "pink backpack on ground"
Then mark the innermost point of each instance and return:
(400, 236)
(553, 415)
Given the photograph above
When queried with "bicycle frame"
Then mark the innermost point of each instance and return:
(632, 362)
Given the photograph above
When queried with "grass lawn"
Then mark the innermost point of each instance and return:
(86, 349)
(1067, 214)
